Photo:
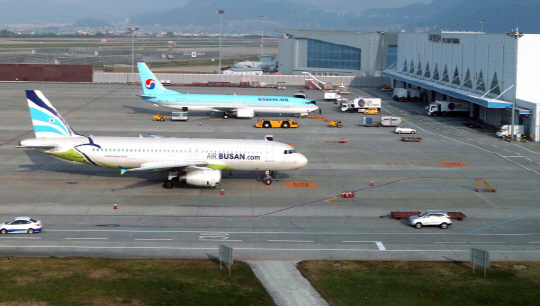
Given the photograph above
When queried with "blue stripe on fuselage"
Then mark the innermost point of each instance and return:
(228, 99)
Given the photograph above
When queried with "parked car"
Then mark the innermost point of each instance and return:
(371, 111)
(431, 218)
(21, 225)
(404, 130)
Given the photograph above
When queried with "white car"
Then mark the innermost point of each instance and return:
(21, 225)
(431, 218)
(404, 130)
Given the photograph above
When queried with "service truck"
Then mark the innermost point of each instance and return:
(400, 94)
(506, 130)
(448, 108)
(330, 95)
(359, 105)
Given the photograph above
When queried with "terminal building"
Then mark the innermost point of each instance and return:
(476, 67)
(336, 52)
(449, 66)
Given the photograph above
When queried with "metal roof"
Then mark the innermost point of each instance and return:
(450, 91)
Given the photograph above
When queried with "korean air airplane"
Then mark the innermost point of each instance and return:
(241, 106)
(196, 162)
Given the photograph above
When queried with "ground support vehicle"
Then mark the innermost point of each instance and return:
(179, 116)
(448, 108)
(335, 123)
(284, 123)
(360, 105)
(506, 130)
(159, 117)
(331, 95)
(411, 139)
(386, 121)
(386, 88)
(400, 94)
(431, 218)
(414, 95)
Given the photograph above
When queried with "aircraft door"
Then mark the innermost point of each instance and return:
(269, 153)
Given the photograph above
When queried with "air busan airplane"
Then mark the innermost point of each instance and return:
(241, 106)
(195, 161)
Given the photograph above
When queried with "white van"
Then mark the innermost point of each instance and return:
(506, 130)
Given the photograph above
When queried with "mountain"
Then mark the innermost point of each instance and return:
(243, 15)
(464, 15)
(92, 23)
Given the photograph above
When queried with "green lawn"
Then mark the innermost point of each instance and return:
(423, 283)
(91, 281)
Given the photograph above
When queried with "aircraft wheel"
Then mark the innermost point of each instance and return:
(268, 181)
(169, 184)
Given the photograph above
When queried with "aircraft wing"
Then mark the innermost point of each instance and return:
(41, 146)
(168, 166)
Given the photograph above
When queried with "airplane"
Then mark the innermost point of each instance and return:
(197, 162)
(262, 63)
(242, 106)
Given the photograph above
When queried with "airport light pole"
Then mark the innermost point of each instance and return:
(220, 12)
(382, 33)
(262, 35)
(132, 30)
(516, 35)
(481, 25)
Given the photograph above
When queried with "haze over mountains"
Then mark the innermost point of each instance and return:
(242, 16)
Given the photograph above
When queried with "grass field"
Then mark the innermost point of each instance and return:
(423, 283)
(90, 281)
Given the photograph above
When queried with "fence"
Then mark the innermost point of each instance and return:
(271, 80)
(63, 59)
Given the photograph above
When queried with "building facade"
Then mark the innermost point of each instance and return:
(484, 69)
(336, 52)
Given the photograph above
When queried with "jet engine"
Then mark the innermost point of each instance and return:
(208, 177)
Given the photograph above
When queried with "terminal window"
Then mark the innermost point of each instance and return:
(391, 56)
(326, 55)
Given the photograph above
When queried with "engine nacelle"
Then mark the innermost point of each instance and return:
(245, 113)
(202, 177)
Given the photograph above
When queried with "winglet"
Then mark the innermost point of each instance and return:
(122, 170)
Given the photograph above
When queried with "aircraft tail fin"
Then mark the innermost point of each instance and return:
(45, 118)
(150, 84)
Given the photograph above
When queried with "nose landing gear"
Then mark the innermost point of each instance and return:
(267, 177)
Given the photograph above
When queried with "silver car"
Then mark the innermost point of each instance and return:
(431, 218)
(404, 130)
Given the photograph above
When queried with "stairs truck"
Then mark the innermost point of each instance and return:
(360, 105)
(447, 108)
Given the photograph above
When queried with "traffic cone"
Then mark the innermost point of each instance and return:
(372, 184)
(353, 195)
(207, 118)
(200, 123)
(115, 206)
(343, 194)
(222, 191)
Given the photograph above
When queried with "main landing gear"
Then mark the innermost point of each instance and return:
(267, 177)
(225, 115)
(171, 181)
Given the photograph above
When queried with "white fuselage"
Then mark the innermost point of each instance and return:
(132, 152)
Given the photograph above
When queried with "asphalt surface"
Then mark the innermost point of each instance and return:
(75, 201)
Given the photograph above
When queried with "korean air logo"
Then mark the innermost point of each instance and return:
(150, 84)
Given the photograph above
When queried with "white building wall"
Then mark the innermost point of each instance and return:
(487, 53)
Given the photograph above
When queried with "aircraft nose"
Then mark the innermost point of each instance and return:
(302, 160)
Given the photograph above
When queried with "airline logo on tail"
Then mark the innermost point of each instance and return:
(150, 84)
(45, 118)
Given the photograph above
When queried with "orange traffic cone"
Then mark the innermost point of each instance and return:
(222, 191)
(372, 184)
(207, 118)
(200, 123)
(115, 206)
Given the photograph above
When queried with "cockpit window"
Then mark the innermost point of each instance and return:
(289, 151)
(311, 102)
